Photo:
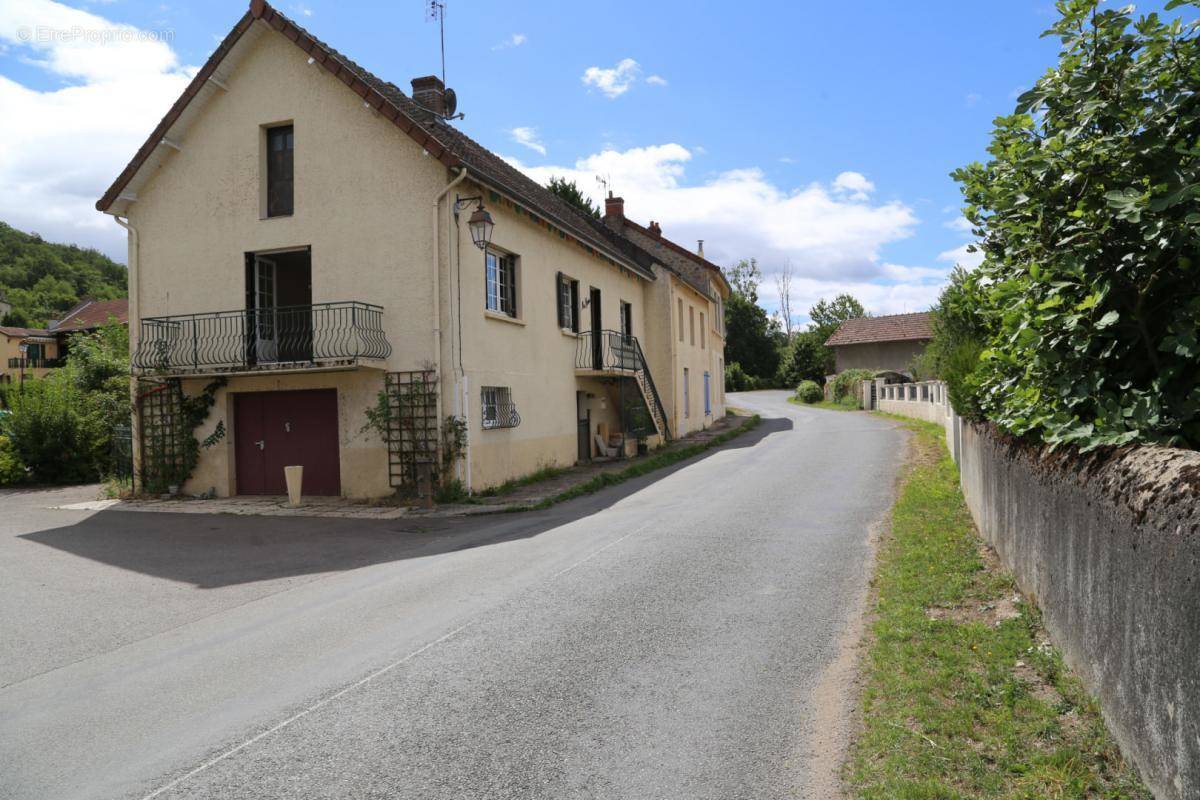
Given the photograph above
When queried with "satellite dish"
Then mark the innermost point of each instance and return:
(450, 100)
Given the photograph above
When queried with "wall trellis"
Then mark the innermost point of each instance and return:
(163, 434)
(412, 427)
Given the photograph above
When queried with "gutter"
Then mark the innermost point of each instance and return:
(437, 310)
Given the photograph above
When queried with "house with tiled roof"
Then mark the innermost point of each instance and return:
(890, 342)
(309, 242)
(27, 353)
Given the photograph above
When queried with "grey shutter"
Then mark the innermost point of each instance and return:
(558, 299)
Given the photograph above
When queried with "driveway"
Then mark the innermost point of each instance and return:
(678, 636)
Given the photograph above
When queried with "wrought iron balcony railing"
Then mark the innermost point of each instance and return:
(35, 363)
(231, 341)
(607, 351)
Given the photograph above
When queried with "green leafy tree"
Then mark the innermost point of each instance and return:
(42, 280)
(744, 278)
(804, 358)
(1089, 292)
(569, 191)
(827, 315)
(959, 333)
(751, 338)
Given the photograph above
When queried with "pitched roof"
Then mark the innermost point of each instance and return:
(693, 267)
(9, 330)
(89, 314)
(894, 328)
(441, 140)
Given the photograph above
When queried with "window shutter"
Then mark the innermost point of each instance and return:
(575, 306)
(558, 297)
(511, 264)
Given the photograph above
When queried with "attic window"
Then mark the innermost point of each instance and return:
(280, 151)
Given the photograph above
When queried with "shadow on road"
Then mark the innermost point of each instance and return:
(211, 551)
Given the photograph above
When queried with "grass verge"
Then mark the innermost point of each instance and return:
(963, 695)
(654, 462)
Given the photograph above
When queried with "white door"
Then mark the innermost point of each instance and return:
(266, 344)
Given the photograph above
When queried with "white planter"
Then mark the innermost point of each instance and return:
(294, 476)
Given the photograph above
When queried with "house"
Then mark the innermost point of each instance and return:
(27, 353)
(33, 352)
(307, 242)
(881, 343)
(686, 310)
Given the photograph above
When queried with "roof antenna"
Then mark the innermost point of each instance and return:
(437, 11)
(605, 182)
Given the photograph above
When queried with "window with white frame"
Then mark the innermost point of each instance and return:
(567, 290)
(501, 283)
(498, 410)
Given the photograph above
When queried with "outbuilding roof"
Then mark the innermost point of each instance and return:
(438, 138)
(893, 328)
(89, 314)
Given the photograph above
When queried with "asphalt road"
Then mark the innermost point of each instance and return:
(672, 637)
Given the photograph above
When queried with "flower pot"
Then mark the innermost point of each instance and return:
(293, 476)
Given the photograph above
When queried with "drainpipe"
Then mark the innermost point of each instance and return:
(437, 299)
(134, 280)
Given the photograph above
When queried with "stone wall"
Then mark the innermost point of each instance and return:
(1108, 546)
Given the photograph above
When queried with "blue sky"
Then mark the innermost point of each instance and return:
(815, 134)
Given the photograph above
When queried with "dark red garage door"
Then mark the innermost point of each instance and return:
(273, 430)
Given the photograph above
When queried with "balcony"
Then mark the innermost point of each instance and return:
(36, 363)
(607, 352)
(323, 336)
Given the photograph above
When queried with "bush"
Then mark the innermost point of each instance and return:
(809, 392)
(11, 469)
(736, 379)
(1089, 291)
(847, 384)
(56, 432)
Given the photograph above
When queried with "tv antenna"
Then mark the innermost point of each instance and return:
(605, 182)
(436, 11)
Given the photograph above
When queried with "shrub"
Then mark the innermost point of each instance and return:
(1089, 291)
(11, 469)
(847, 384)
(809, 392)
(56, 432)
(736, 379)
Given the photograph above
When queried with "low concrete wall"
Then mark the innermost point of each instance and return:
(1109, 548)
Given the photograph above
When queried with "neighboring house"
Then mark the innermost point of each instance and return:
(311, 235)
(881, 343)
(33, 352)
(27, 353)
(686, 310)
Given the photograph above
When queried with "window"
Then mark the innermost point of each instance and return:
(499, 411)
(501, 284)
(568, 303)
(707, 396)
(692, 324)
(719, 322)
(680, 302)
(702, 333)
(626, 320)
(280, 150)
(687, 406)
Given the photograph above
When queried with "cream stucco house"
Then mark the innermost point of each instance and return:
(303, 247)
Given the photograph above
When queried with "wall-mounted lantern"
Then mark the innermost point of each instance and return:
(479, 223)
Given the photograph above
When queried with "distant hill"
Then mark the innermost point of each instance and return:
(41, 279)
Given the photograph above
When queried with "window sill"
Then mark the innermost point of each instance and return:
(499, 317)
(276, 216)
(570, 334)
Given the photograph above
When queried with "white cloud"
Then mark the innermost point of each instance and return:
(972, 99)
(529, 138)
(516, 40)
(960, 224)
(786, 160)
(740, 213)
(302, 9)
(615, 81)
(961, 257)
(656, 80)
(63, 146)
(853, 185)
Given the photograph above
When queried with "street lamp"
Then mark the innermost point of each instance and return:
(479, 223)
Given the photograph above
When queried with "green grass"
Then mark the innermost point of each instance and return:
(543, 473)
(957, 701)
(845, 404)
(644, 467)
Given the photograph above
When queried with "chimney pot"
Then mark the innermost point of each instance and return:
(430, 93)
(655, 229)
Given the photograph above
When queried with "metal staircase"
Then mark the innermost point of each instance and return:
(613, 354)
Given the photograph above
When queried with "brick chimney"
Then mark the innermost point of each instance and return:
(614, 212)
(430, 93)
(655, 229)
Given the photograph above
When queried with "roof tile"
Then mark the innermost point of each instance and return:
(894, 328)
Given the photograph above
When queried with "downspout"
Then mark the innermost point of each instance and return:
(134, 280)
(437, 300)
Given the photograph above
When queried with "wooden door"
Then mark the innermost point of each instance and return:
(274, 430)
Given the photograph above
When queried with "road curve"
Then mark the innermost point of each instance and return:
(666, 638)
